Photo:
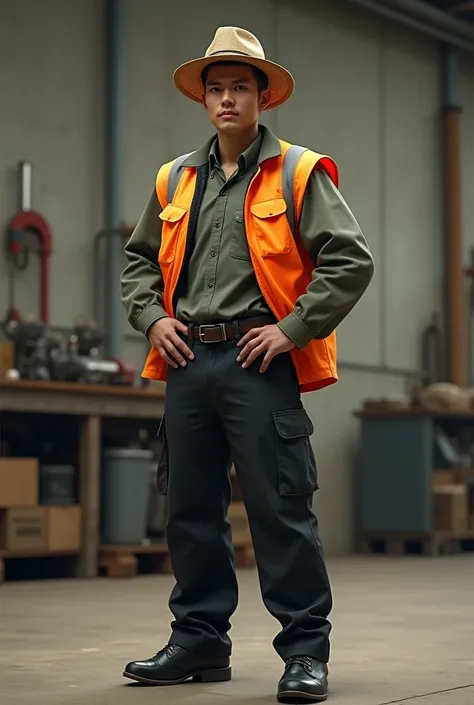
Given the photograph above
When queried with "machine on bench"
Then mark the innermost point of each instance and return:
(41, 354)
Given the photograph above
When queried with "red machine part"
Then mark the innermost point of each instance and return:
(35, 223)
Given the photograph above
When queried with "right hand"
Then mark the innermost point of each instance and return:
(163, 336)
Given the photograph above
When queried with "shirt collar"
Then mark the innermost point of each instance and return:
(265, 146)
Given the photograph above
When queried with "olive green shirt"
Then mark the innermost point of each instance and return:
(222, 284)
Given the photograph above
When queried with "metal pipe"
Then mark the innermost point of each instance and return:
(26, 185)
(114, 171)
(412, 15)
(456, 314)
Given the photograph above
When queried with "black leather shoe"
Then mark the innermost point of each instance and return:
(173, 665)
(305, 680)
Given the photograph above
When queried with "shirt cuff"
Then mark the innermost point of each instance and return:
(296, 330)
(148, 316)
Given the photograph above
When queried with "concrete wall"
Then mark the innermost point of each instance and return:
(367, 93)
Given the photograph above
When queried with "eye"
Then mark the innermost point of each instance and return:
(241, 87)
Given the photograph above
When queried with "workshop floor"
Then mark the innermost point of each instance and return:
(403, 629)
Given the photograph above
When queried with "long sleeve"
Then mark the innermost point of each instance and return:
(343, 263)
(141, 280)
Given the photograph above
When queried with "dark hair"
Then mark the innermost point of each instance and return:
(260, 76)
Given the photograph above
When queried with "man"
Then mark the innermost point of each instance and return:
(240, 300)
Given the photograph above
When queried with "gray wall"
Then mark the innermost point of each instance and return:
(367, 93)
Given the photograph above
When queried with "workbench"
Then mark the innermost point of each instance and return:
(92, 404)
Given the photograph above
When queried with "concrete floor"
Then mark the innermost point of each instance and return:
(403, 630)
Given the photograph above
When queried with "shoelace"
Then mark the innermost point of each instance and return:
(169, 650)
(305, 661)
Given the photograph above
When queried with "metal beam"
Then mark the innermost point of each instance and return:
(426, 19)
(462, 7)
(114, 172)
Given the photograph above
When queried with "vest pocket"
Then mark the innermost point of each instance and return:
(271, 227)
(172, 217)
(297, 473)
(162, 470)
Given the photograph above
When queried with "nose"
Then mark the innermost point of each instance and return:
(227, 99)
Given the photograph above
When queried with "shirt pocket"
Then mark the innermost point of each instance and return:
(239, 248)
(271, 227)
(173, 218)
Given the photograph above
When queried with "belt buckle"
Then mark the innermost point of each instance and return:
(213, 325)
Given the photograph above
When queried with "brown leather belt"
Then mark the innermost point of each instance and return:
(231, 330)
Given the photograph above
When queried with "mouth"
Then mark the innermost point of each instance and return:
(227, 114)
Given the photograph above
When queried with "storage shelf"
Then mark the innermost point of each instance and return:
(459, 414)
(37, 553)
(416, 535)
(156, 547)
(239, 538)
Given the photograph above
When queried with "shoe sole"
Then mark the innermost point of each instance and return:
(296, 696)
(217, 675)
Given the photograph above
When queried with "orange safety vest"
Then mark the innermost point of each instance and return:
(282, 266)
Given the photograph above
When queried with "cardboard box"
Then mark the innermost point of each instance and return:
(239, 522)
(449, 477)
(63, 528)
(19, 480)
(451, 509)
(23, 529)
(41, 529)
(7, 356)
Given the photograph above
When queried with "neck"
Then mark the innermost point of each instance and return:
(232, 146)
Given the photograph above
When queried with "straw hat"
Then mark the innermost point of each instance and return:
(235, 44)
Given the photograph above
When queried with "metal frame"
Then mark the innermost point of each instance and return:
(425, 18)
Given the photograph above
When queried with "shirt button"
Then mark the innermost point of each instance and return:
(222, 193)
(211, 175)
(210, 285)
(218, 224)
(213, 253)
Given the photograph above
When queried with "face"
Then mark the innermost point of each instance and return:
(232, 99)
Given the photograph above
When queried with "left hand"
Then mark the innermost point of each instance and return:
(269, 340)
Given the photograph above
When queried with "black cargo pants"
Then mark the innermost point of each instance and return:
(217, 412)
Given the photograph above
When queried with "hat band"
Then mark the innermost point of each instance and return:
(224, 52)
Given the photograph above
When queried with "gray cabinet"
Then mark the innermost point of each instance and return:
(396, 463)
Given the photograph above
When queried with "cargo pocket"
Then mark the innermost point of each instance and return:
(297, 474)
(162, 471)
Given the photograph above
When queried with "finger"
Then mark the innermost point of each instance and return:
(181, 327)
(254, 354)
(253, 332)
(181, 345)
(269, 355)
(249, 347)
(169, 360)
(174, 353)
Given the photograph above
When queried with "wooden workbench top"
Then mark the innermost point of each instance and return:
(82, 399)
(112, 390)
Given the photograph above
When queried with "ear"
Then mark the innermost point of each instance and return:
(264, 99)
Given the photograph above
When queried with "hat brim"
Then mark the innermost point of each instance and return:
(281, 84)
